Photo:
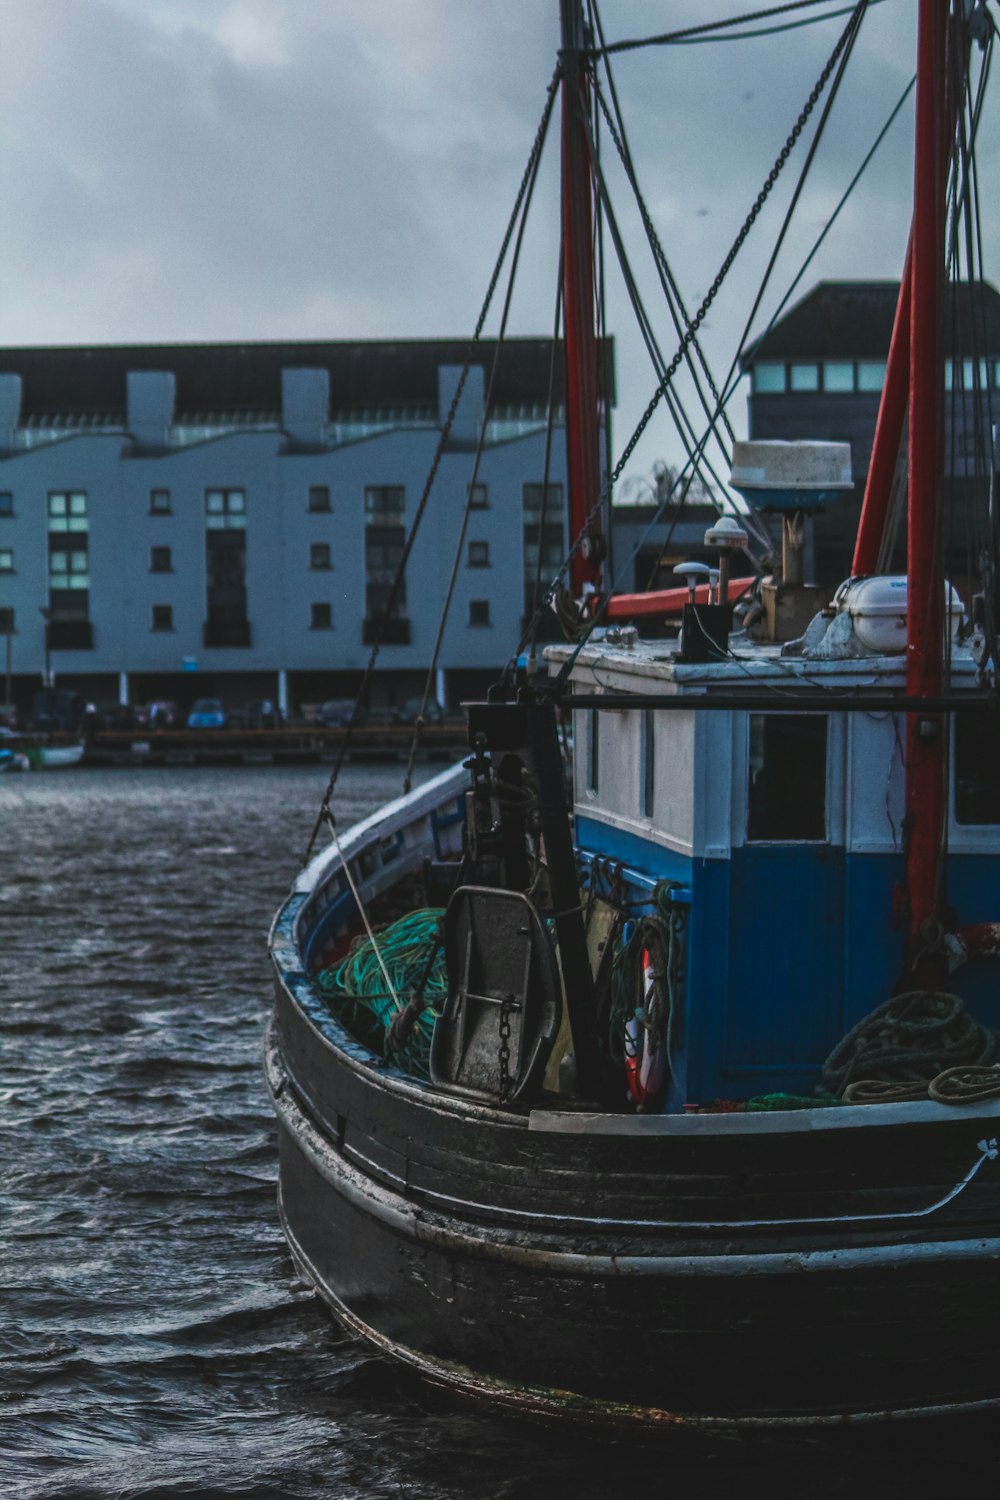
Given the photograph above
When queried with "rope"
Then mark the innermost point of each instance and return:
(527, 178)
(909, 1040)
(364, 915)
(693, 33)
(846, 36)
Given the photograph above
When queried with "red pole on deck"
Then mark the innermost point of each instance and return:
(582, 388)
(888, 434)
(925, 740)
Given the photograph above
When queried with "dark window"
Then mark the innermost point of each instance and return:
(6, 503)
(977, 768)
(594, 750)
(159, 503)
(383, 554)
(479, 611)
(648, 763)
(6, 621)
(322, 617)
(159, 560)
(479, 498)
(163, 617)
(543, 540)
(384, 502)
(787, 780)
(319, 555)
(479, 554)
(319, 497)
(6, 559)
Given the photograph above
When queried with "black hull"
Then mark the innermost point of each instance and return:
(714, 1273)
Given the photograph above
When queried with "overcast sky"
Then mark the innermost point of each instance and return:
(179, 170)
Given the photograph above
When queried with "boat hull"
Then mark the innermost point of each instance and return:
(514, 1264)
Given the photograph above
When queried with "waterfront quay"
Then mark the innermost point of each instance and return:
(301, 744)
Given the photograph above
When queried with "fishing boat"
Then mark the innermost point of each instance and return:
(646, 1074)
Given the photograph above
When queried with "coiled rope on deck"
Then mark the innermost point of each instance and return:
(897, 1050)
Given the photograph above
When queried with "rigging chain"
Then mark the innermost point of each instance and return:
(713, 291)
(324, 814)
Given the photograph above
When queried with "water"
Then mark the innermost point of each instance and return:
(154, 1338)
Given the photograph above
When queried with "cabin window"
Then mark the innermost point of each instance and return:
(768, 379)
(838, 375)
(805, 377)
(977, 768)
(593, 750)
(871, 374)
(648, 762)
(786, 795)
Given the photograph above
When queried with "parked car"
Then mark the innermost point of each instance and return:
(207, 713)
(161, 713)
(338, 712)
(261, 714)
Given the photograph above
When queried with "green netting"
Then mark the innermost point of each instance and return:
(356, 988)
(790, 1101)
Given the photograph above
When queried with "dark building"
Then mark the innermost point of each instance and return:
(818, 373)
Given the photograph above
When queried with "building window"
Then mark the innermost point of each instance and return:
(319, 497)
(319, 555)
(163, 617)
(838, 375)
(69, 556)
(768, 379)
(159, 503)
(322, 617)
(805, 377)
(6, 620)
(69, 570)
(6, 503)
(385, 539)
(787, 778)
(68, 511)
(479, 498)
(159, 560)
(6, 559)
(479, 611)
(479, 555)
(384, 502)
(871, 374)
(225, 510)
(544, 548)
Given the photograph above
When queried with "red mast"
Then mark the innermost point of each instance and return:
(579, 297)
(925, 740)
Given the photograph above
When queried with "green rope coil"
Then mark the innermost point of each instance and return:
(357, 991)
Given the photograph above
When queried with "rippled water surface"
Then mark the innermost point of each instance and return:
(154, 1338)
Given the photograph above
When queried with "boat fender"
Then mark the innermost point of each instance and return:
(977, 940)
(645, 1050)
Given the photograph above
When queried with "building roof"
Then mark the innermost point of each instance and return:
(853, 320)
(246, 377)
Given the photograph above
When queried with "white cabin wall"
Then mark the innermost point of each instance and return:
(875, 778)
